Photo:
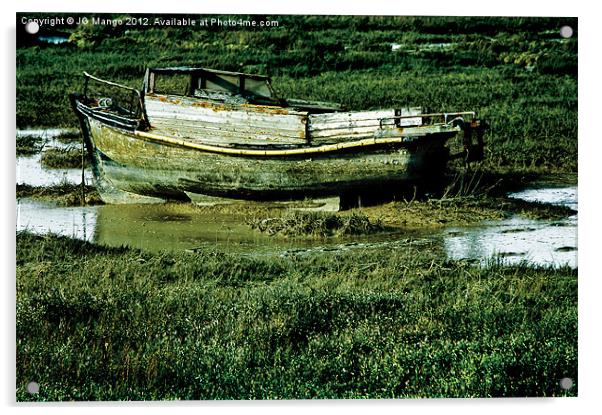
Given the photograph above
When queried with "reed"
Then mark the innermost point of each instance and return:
(63, 158)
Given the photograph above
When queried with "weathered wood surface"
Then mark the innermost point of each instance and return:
(225, 124)
(252, 125)
(340, 126)
(142, 167)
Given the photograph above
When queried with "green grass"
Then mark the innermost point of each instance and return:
(63, 158)
(98, 323)
(26, 146)
(515, 72)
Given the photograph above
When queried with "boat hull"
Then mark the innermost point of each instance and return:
(131, 168)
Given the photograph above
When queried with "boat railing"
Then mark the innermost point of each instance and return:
(115, 84)
(445, 116)
(131, 106)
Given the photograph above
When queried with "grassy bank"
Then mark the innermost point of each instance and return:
(114, 323)
(64, 194)
(317, 224)
(517, 73)
(460, 211)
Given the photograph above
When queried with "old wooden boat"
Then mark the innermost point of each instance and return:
(194, 133)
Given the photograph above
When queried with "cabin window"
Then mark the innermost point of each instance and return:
(258, 87)
(231, 87)
(221, 83)
(112, 98)
(172, 84)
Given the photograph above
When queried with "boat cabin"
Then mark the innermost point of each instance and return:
(224, 87)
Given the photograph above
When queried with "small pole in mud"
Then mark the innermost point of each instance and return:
(83, 198)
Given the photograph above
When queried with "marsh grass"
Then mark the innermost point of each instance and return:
(99, 323)
(63, 158)
(466, 199)
(28, 145)
(317, 224)
(64, 194)
(428, 212)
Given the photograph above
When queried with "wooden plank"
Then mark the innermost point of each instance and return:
(177, 120)
(284, 121)
(226, 139)
(341, 138)
(200, 133)
(343, 132)
(317, 120)
(338, 117)
(195, 102)
(348, 124)
(409, 132)
(228, 123)
(293, 136)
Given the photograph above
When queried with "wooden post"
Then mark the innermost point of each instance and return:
(83, 184)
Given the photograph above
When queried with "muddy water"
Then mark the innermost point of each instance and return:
(179, 227)
(171, 226)
(541, 242)
(30, 171)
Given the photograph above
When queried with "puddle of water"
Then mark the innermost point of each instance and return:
(49, 133)
(564, 196)
(414, 48)
(440, 45)
(516, 240)
(30, 171)
(175, 227)
(54, 40)
(45, 217)
(540, 242)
